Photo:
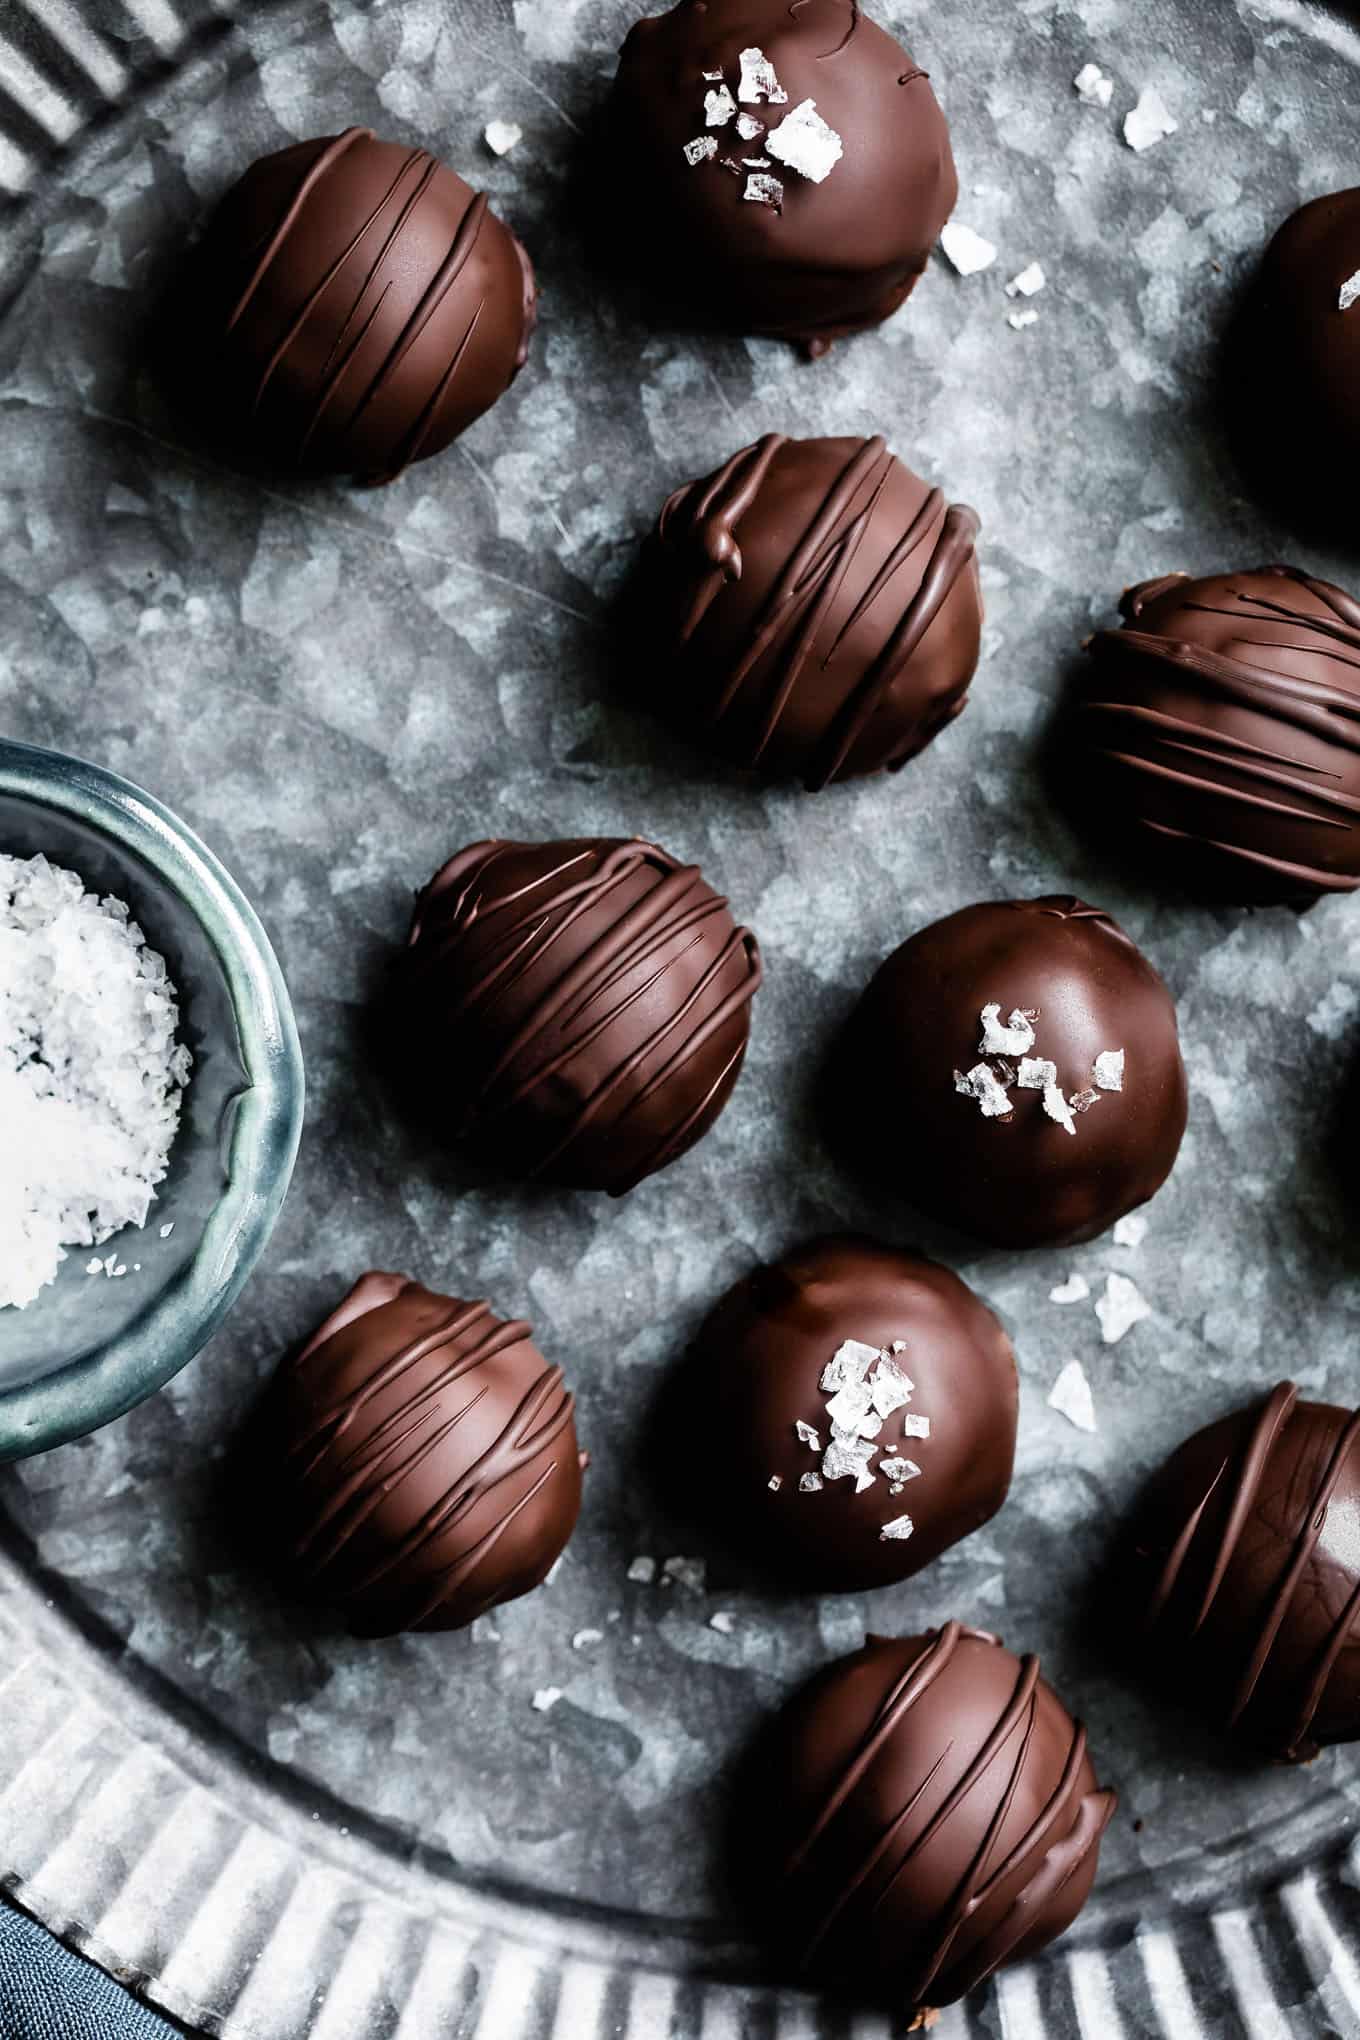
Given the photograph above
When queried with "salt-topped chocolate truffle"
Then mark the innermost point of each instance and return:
(1244, 1566)
(923, 1813)
(785, 170)
(361, 306)
(1015, 1070)
(859, 1405)
(575, 1011)
(1302, 326)
(1221, 726)
(817, 607)
(420, 1456)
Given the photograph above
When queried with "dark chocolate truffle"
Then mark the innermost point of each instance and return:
(860, 1407)
(927, 1812)
(577, 1011)
(788, 169)
(362, 304)
(1015, 1069)
(1222, 725)
(422, 1459)
(1246, 1567)
(818, 608)
(1302, 331)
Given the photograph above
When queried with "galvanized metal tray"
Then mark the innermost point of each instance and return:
(276, 1831)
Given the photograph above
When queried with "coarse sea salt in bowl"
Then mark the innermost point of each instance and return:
(91, 1347)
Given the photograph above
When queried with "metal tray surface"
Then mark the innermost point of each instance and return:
(277, 1831)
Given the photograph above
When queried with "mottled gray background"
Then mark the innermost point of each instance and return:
(338, 688)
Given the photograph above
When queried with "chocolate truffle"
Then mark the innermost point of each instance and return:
(817, 607)
(361, 306)
(1245, 1568)
(1301, 332)
(1221, 726)
(421, 1457)
(575, 1011)
(925, 1812)
(859, 1405)
(1016, 1070)
(786, 169)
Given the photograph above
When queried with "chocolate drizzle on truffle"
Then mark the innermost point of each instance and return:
(825, 607)
(935, 1815)
(1246, 1560)
(370, 304)
(428, 1459)
(580, 1009)
(1224, 720)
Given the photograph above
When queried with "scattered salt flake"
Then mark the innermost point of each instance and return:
(755, 162)
(897, 1531)
(719, 107)
(688, 1573)
(1082, 1101)
(1028, 283)
(643, 1570)
(1057, 1108)
(585, 1637)
(758, 80)
(806, 143)
(915, 1427)
(890, 1388)
(1018, 321)
(763, 190)
(1350, 293)
(847, 1456)
(849, 1363)
(712, 77)
(981, 1083)
(1131, 1230)
(546, 1698)
(848, 1409)
(1208, 115)
(776, 1482)
(899, 1470)
(898, 1346)
(722, 1622)
(120, 1271)
(94, 1267)
(1149, 121)
(1070, 1396)
(1121, 1307)
(748, 127)
(166, 1230)
(967, 251)
(1093, 86)
(1036, 1074)
(1016, 1037)
(808, 1435)
(501, 136)
(1109, 1070)
(1076, 1289)
(810, 1484)
(701, 150)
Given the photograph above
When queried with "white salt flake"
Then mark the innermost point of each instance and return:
(1070, 1396)
(1121, 1307)
(1028, 283)
(755, 162)
(1109, 1070)
(1350, 293)
(776, 1482)
(847, 1456)
(689, 1573)
(758, 80)
(966, 251)
(890, 1388)
(584, 1638)
(1016, 1037)
(1091, 85)
(748, 127)
(1036, 1074)
(849, 1363)
(722, 1622)
(1057, 1108)
(643, 1571)
(1149, 121)
(94, 1267)
(763, 190)
(898, 1470)
(897, 1531)
(1019, 321)
(915, 1427)
(712, 77)
(701, 150)
(808, 1435)
(166, 1230)
(545, 1699)
(501, 136)
(810, 1484)
(848, 1410)
(1076, 1289)
(982, 1083)
(719, 107)
(1131, 1230)
(806, 143)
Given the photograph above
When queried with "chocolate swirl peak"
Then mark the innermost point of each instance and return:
(363, 304)
(818, 608)
(1245, 1559)
(1223, 723)
(577, 1011)
(422, 1459)
(928, 1813)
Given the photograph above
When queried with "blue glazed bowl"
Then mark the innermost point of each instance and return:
(91, 1347)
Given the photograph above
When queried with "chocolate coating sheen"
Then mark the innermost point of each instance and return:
(1245, 1563)
(762, 1355)
(361, 305)
(834, 256)
(1021, 1178)
(421, 1456)
(576, 1011)
(1306, 344)
(818, 607)
(1222, 724)
(929, 1813)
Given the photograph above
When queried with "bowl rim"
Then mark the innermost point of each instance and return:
(267, 1122)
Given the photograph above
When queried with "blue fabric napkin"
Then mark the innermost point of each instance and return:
(48, 1994)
